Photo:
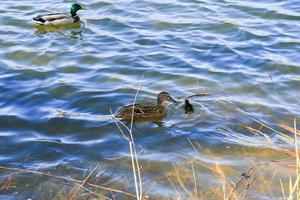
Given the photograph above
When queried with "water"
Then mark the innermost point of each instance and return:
(57, 87)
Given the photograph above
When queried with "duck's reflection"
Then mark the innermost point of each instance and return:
(67, 31)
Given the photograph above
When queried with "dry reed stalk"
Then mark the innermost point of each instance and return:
(215, 170)
(111, 189)
(269, 143)
(245, 177)
(290, 129)
(265, 144)
(190, 194)
(294, 189)
(241, 110)
(246, 139)
(258, 132)
(282, 190)
(66, 179)
(96, 194)
(73, 196)
(224, 184)
(284, 164)
(177, 193)
(195, 180)
(8, 183)
(134, 158)
(132, 149)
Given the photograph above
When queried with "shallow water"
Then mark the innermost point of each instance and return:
(57, 87)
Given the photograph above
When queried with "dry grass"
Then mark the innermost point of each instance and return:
(184, 176)
(294, 186)
(80, 183)
(184, 179)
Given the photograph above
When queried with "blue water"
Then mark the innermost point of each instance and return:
(57, 87)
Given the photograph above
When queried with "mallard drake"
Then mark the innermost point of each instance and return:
(188, 107)
(147, 111)
(58, 19)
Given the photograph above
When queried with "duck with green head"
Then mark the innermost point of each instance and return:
(146, 111)
(59, 19)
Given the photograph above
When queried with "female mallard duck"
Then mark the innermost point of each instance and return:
(58, 19)
(147, 111)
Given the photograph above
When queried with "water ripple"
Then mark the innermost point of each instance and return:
(57, 86)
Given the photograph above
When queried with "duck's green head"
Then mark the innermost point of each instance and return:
(75, 7)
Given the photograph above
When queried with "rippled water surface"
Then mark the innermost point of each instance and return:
(57, 87)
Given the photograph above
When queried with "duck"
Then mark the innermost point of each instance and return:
(147, 111)
(59, 19)
(188, 107)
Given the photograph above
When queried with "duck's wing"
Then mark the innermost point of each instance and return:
(54, 19)
(50, 17)
(140, 108)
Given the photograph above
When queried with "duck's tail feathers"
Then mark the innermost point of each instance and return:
(39, 20)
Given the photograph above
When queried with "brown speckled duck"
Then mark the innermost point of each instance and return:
(147, 111)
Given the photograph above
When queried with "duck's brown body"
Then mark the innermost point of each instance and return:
(146, 111)
(142, 112)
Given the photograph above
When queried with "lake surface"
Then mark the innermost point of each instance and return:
(57, 87)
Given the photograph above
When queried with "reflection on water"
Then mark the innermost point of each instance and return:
(58, 87)
(74, 30)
